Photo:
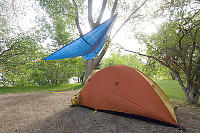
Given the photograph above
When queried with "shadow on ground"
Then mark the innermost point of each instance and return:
(82, 120)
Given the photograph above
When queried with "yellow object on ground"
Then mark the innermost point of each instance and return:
(58, 92)
(95, 111)
(76, 99)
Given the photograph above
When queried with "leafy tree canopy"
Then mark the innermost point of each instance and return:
(177, 46)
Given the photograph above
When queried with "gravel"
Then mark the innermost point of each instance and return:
(46, 112)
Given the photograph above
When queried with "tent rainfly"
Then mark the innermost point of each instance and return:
(123, 89)
(88, 45)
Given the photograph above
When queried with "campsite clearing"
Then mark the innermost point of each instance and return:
(44, 112)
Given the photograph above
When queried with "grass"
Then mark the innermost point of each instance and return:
(60, 87)
(170, 87)
(172, 90)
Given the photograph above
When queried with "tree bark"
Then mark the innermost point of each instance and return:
(194, 96)
(93, 64)
(192, 89)
(77, 18)
(173, 78)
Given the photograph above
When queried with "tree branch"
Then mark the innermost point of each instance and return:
(191, 17)
(129, 17)
(90, 16)
(102, 53)
(114, 8)
(3, 52)
(104, 50)
(11, 47)
(166, 65)
(152, 57)
(77, 19)
(103, 6)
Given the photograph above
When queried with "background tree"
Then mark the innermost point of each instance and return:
(150, 68)
(176, 46)
(15, 39)
(56, 72)
(20, 46)
(157, 71)
(94, 63)
(67, 13)
(119, 59)
(63, 14)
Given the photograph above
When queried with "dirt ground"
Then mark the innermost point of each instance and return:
(47, 112)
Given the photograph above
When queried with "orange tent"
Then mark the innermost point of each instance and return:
(127, 90)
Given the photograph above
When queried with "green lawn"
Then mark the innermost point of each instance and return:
(172, 90)
(40, 88)
(170, 87)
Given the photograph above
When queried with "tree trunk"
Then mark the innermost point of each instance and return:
(172, 75)
(90, 66)
(194, 95)
(93, 64)
(178, 78)
(191, 92)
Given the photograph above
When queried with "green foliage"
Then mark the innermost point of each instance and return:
(63, 14)
(15, 53)
(127, 59)
(44, 72)
(4, 28)
(151, 68)
(61, 36)
(177, 45)
(156, 71)
(63, 8)
(178, 39)
(18, 50)
(61, 87)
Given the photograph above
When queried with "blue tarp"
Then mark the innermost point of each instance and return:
(93, 54)
(87, 46)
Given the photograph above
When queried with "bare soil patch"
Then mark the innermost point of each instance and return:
(46, 112)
